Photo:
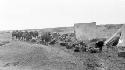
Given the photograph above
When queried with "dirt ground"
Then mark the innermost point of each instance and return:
(18, 55)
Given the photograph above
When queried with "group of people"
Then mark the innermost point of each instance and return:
(80, 46)
(55, 37)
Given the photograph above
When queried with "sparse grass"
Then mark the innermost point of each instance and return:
(36, 57)
(4, 43)
(33, 55)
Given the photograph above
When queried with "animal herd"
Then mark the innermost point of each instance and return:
(51, 38)
(46, 37)
(24, 35)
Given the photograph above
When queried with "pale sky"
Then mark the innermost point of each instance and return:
(38, 14)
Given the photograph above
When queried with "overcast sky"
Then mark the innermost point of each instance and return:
(38, 14)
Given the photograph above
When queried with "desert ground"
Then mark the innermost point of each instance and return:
(20, 55)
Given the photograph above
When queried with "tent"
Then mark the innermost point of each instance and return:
(85, 31)
(122, 38)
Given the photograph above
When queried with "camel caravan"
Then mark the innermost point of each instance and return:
(87, 37)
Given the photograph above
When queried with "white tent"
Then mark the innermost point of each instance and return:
(122, 38)
(85, 31)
